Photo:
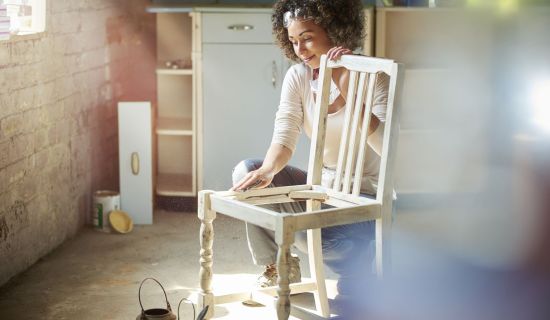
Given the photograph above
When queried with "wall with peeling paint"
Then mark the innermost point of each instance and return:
(58, 123)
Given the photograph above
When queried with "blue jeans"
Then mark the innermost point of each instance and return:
(348, 250)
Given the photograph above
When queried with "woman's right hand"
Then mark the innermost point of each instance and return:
(256, 179)
(335, 53)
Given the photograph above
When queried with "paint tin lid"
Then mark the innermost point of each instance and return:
(121, 221)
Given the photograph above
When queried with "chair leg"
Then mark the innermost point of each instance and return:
(316, 269)
(283, 292)
(207, 216)
(383, 245)
(316, 264)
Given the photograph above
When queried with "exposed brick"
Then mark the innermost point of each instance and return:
(45, 93)
(3, 181)
(72, 63)
(8, 80)
(5, 54)
(66, 22)
(4, 153)
(41, 158)
(16, 171)
(52, 139)
(20, 146)
(64, 87)
(42, 50)
(32, 121)
(63, 130)
(11, 125)
(45, 116)
(94, 20)
(25, 99)
(58, 138)
(93, 59)
(60, 43)
(92, 39)
(28, 76)
(62, 6)
(22, 52)
(7, 105)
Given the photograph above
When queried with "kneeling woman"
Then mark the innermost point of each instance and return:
(305, 30)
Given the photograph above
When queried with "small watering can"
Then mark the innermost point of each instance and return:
(161, 313)
(156, 313)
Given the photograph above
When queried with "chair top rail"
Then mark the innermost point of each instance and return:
(362, 64)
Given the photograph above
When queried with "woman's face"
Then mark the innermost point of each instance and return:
(309, 40)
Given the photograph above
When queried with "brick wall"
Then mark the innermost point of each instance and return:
(58, 122)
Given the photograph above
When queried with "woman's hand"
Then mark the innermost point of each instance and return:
(256, 179)
(335, 53)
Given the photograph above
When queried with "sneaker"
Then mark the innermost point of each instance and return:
(270, 275)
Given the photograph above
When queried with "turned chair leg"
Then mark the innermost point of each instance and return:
(283, 292)
(284, 236)
(207, 216)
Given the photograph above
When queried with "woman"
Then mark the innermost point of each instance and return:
(305, 30)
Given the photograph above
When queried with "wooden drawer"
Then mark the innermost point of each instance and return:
(236, 28)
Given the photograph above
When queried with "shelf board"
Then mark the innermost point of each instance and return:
(174, 185)
(175, 126)
(169, 71)
(168, 9)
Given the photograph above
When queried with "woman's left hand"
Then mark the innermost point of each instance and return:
(335, 53)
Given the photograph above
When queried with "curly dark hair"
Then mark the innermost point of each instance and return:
(343, 21)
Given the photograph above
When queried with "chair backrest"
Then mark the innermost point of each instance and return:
(363, 72)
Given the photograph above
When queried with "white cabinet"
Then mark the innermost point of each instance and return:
(439, 110)
(135, 160)
(242, 71)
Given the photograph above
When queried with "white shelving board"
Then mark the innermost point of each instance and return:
(175, 126)
(174, 184)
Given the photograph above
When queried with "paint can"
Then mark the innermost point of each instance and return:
(105, 201)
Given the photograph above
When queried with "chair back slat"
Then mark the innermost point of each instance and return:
(319, 125)
(367, 110)
(364, 72)
(391, 133)
(354, 133)
(352, 87)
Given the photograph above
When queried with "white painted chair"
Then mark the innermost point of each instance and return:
(347, 205)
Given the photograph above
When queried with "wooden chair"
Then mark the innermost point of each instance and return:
(347, 205)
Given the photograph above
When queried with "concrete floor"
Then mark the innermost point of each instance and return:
(97, 275)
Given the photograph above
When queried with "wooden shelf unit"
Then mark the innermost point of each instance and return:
(175, 115)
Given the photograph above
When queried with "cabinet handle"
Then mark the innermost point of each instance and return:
(274, 74)
(240, 27)
(135, 163)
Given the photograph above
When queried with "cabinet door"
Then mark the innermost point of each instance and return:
(136, 176)
(241, 90)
